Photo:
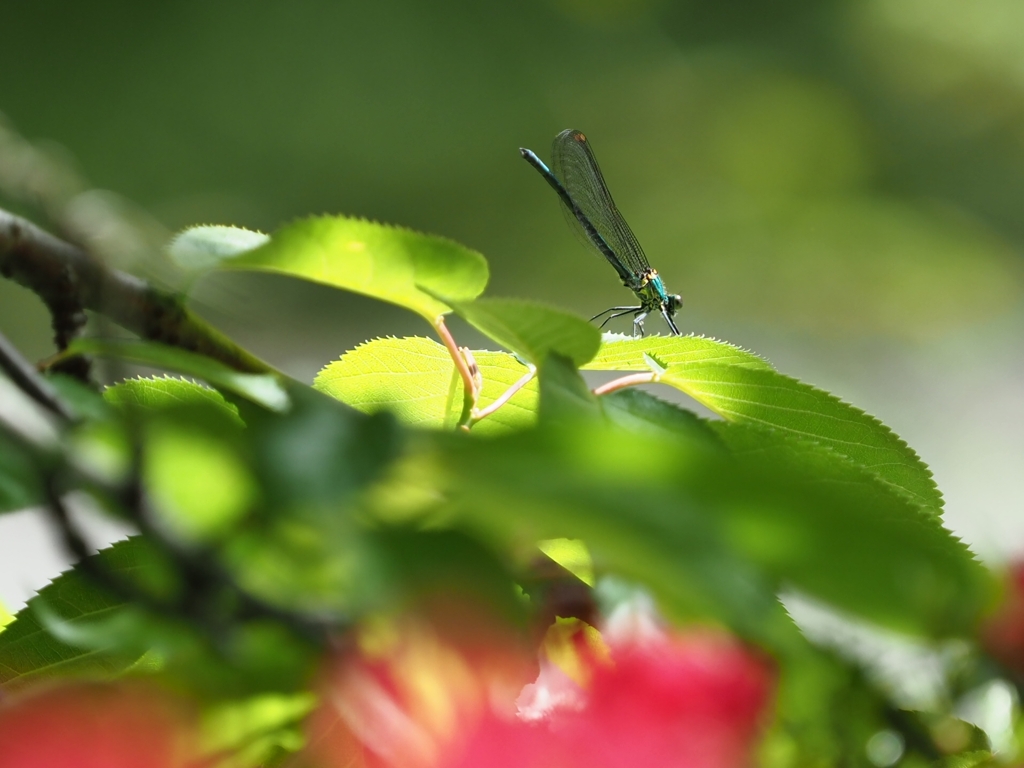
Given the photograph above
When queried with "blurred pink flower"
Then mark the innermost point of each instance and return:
(692, 699)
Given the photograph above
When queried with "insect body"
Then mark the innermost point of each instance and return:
(576, 177)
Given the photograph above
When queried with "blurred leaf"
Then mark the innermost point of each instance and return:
(84, 400)
(264, 389)
(194, 461)
(387, 263)
(564, 396)
(584, 482)
(625, 353)
(571, 554)
(530, 329)
(320, 453)
(415, 379)
(20, 484)
(200, 484)
(764, 397)
(440, 570)
(29, 653)
(300, 546)
(967, 760)
(253, 730)
(204, 247)
(301, 562)
(73, 627)
(710, 533)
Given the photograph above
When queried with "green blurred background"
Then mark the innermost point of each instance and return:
(838, 185)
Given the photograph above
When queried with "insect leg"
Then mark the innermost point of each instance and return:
(671, 322)
(638, 324)
(629, 311)
(613, 309)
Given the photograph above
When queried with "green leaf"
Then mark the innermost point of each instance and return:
(384, 262)
(532, 330)
(571, 554)
(86, 403)
(968, 760)
(854, 540)
(29, 653)
(255, 729)
(415, 379)
(564, 396)
(419, 566)
(262, 388)
(20, 484)
(199, 483)
(194, 464)
(640, 411)
(712, 534)
(625, 353)
(319, 453)
(159, 393)
(175, 408)
(204, 247)
(767, 398)
(609, 488)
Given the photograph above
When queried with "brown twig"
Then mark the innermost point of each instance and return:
(56, 270)
(29, 381)
(470, 390)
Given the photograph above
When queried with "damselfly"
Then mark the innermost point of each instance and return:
(578, 181)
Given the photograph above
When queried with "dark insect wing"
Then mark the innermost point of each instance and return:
(573, 162)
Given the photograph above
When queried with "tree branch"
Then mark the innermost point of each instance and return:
(53, 268)
(29, 381)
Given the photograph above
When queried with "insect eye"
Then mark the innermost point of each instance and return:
(675, 301)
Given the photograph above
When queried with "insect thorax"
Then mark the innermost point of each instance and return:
(650, 290)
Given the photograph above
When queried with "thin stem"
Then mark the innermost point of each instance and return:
(474, 371)
(626, 381)
(470, 391)
(483, 413)
(21, 372)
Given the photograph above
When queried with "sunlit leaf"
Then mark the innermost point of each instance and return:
(767, 398)
(416, 379)
(532, 330)
(262, 388)
(387, 263)
(156, 393)
(625, 353)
